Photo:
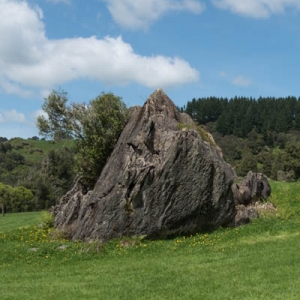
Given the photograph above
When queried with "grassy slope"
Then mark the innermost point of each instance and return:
(257, 261)
(33, 150)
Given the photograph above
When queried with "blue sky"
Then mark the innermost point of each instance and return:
(190, 48)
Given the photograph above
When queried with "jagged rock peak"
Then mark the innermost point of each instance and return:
(159, 103)
(160, 181)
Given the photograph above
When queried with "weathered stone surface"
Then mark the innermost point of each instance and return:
(245, 214)
(253, 188)
(266, 208)
(161, 180)
(248, 196)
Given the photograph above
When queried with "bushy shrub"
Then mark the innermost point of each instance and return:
(47, 220)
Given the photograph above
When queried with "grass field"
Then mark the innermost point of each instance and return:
(257, 261)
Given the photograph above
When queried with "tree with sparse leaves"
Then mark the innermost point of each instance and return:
(95, 127)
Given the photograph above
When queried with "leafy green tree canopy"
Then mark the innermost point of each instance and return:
(95, 127)
(291, 158)
(16, 199)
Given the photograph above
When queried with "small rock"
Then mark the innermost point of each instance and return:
(33, 249)
(62, 247)
(244, 215)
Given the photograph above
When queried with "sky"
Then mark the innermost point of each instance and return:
(189, 48)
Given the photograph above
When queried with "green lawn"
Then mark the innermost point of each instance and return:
(12, 222)
(257, 261)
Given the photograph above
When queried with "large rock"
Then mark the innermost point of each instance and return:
(161, 180)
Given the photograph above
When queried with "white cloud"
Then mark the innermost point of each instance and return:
(13, 88)
(59, 1)
(257, 8)
(135, 14)
(241, 81)
(12, 116)
(29, 60)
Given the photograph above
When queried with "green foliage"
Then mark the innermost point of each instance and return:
(102, 123)
(247, 163)
(184, 126)
(16, 199)
(56, 124)
(11, 162)
(34, 151)
(21, 155)
(52, 178)
(261, 126)
(43, 167)
(203, 133)
(231, 146)
(47, 220)
(239, 115)
(95, 126)
(58, 167)
(291, 159)
(206, 110)
(255, 141)
(267, 164)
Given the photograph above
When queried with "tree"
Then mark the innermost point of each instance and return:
(58, 169)
(291, 158)
(16, 199)
(56, 124)
(95, 127)
(50, 179)
(231, 146)
(268, 159)
(247, 163)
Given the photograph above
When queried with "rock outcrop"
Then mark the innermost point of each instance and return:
(244, 215)
(161, 180)
(248, 196)
(253, 188)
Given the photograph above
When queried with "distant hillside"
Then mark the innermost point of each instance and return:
(34, 150)
(45, 168)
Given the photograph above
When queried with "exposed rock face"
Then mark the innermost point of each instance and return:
(160, 181)
(244, 215)
(248, 195)
(253, 188)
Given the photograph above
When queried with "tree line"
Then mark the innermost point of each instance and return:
(262, 135)
(239, 115)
